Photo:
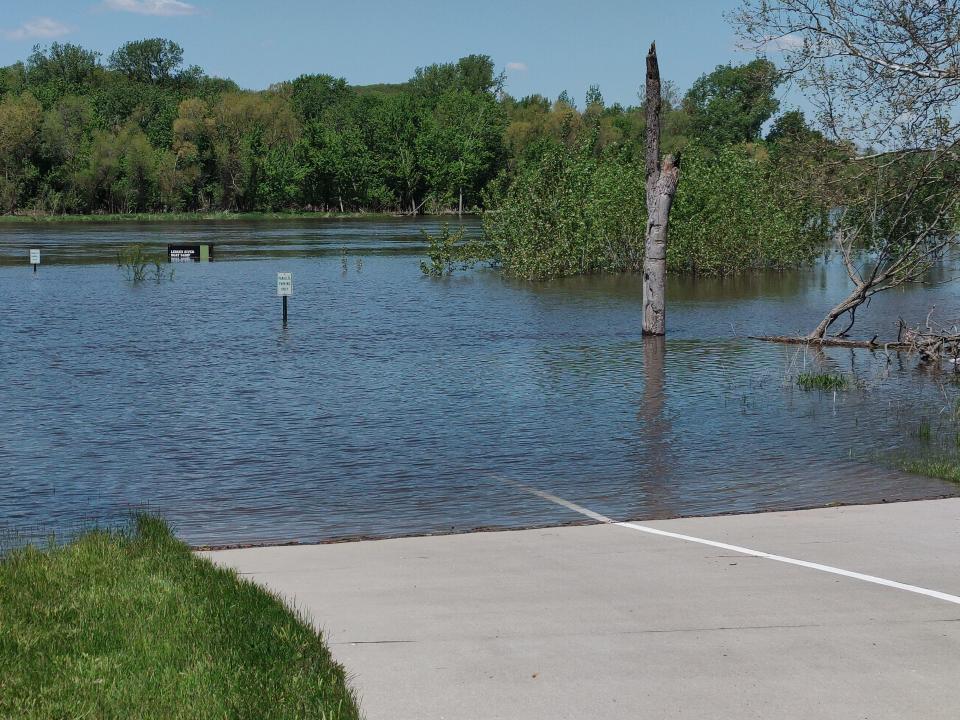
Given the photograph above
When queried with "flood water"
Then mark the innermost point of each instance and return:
(394, 403)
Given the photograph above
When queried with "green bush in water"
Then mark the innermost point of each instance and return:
(574, 213)
(570, 214)
(732, 215)
(448, 252)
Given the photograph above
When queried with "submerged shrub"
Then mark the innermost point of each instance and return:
(730, 215)
(570, 214)
(574, 213)
(448, 252)
(136, 264)
(944, 467)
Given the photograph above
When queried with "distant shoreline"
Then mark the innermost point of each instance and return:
(206, 217)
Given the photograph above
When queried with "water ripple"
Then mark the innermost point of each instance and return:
(395, 403)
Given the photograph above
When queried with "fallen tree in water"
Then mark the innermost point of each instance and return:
(932, 342)
(872, 344)
(887, 81)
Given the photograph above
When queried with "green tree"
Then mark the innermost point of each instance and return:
(151, 60)
(20, 121)
(121, 174)
(283, 174)
(64, 146)
(526, 126)
(144, 132)
(461, 145)
(138, 170)
(594, 98)
(189, 173)
(98, 181)
(62, 69)
(397, 123)
(312, 95)
(152, 106)
(731, 104)
(347, 164)
(244, 128)
(472, 74)
(13, 79)
(66, 130)
(791, 127)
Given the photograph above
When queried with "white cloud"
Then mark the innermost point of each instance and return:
(40, 28)
(164, 8)
(517, 66)
(783, 42)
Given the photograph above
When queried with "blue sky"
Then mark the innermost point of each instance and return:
(544, 46)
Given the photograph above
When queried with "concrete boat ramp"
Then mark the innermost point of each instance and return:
(847, 613)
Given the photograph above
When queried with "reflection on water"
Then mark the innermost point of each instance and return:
(395, 403)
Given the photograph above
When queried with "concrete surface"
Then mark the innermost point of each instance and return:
(604, 622)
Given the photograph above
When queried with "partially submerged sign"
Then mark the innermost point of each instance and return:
(190, 253)
(284, 290)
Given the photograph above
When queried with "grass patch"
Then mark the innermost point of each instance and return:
(922, 432)
(133, 625)
(944, 467)
(823, 381)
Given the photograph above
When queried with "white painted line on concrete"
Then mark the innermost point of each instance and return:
(736, 548)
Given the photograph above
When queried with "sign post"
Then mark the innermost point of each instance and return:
(35, 258)
(202, 252)
(284, 290)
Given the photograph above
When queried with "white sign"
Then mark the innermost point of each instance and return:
(284, 284)
(34, 257)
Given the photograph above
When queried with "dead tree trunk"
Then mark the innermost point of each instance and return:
(661, 187)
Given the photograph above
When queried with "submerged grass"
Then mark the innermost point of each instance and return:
(133, 625)
(944, 467)
(823, 381)
(922, 432)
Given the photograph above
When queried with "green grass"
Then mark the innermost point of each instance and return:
(922, 432)
(822, 381)
(133, 625)
(945, 467)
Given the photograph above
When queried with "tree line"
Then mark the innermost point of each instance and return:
(139, 131)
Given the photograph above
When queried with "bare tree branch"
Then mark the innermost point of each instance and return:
(884, 76)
